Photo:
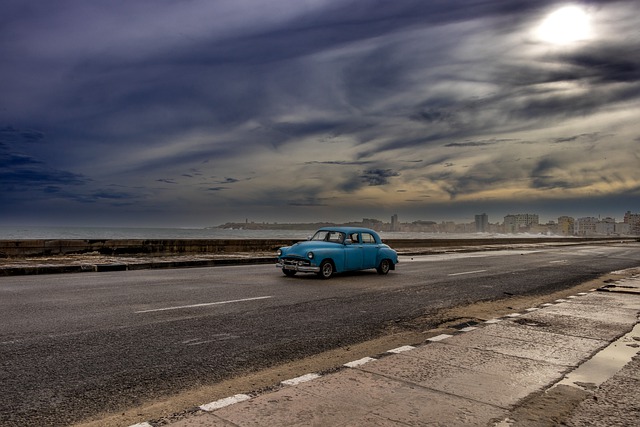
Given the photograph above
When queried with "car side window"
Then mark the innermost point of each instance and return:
(368, 238)
(334, 236)
(354, 238)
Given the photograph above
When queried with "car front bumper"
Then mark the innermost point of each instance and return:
(296, 267)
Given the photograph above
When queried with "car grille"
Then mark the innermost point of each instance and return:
(295, 261)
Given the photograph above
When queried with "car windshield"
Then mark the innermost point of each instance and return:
(329, 236)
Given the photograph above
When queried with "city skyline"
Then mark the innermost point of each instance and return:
(188, 114)
(395, 218)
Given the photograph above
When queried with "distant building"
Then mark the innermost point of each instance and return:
(395, 226)
(520, 222)
(622, 229)
(633, 219)
(374, 224)
(566, 225)
(586, 226)
(482, 223)
(606, 226)
(447, 227)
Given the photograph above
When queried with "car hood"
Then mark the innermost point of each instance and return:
(301, 248)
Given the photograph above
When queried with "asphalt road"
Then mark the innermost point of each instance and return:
(75, 345)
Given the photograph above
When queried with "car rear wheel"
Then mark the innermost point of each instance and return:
(289, 273)
(384, 267)
(326, 270)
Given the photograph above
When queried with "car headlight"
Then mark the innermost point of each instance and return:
(310, 255)
(279, 252)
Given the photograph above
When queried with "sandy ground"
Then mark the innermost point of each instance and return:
(543, 409)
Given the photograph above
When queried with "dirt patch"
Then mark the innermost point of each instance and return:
(540, 409)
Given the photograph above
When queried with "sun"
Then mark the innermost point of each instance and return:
(565, 25)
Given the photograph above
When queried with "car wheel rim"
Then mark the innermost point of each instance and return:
(327, 270)
(384, 266)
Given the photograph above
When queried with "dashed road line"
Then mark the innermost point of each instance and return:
(206, 304)
(467, 272)
(439, 337)
(359, 362)
(401, 349)
(301, 379)
(225, 402)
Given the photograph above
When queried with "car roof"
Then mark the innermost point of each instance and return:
(348, 230)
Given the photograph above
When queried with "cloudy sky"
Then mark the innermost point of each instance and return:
(198, 112)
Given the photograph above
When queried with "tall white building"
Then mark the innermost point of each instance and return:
(482, 223)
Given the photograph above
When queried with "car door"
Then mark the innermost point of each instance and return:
(354, 253)
(369, 251)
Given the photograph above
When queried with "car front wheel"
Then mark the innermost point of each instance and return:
(384, 267)
(326, 270)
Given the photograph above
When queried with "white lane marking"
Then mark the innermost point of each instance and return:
(514, 315)
(491, 321)
(468, 329)
(560, 261)
(203, 304)
(302, 379)
(144, 424)
(225, 402)
(439, 337)
(401, 349)
(467, 272)
(359, 362)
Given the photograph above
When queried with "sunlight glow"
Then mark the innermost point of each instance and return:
(565, 25)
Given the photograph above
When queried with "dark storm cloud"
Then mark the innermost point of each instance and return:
(339, 162)
(229, 180)
(375, 177)
(21, 171)
(543, 175)
(10, 135)
(308, 203)
(477, 143)
(591, 137)
(607, 64)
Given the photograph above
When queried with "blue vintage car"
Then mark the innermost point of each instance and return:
(337, 249)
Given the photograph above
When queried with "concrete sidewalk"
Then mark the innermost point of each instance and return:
(567, 362)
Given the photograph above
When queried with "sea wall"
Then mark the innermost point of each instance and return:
(35, 248)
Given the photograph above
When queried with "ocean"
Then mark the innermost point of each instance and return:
(84, 233)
